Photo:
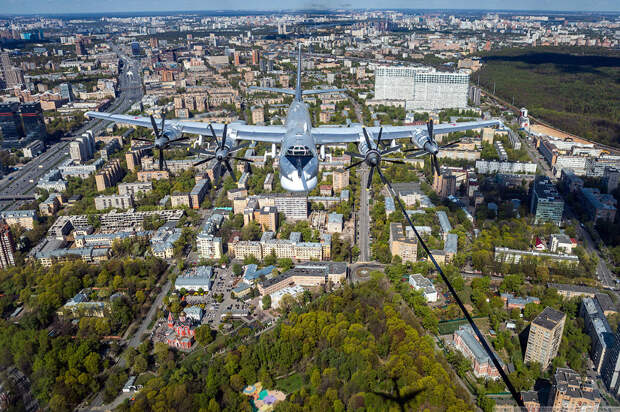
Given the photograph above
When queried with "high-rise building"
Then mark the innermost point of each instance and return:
(237, 58)
(340, 179)
(7, 246)
(545, 336)
(597, 327)
(32, 121)
(255, 57)
(111, 173)
(421, 87)
(66, 92)
(444, 184)
(571, 392)
(79, 47)
(258, 114)
(9, 123)
(135, 48)
(11, 75)
(14, 77)
(611, 178)
(77, 151)
(610, 372)
(82, 148)
(154, 42)
(546, 202)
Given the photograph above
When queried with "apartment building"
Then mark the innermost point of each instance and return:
(209, 246)
(109, 175)
(400, 245)
(545, 336)
(113, 202)
(7, 246)
(570, 392)
(134, 188)
(546, 203)
(597, 327)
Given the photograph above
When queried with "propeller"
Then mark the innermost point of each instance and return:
(162, 140)
(430, 147)
(373, 156)
(223, 154)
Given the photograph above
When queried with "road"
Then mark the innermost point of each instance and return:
(24, 181)
(364, 217)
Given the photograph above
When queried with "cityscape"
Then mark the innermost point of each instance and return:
(300, 210)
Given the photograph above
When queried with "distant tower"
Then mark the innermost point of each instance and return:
(524, 121)
(255, 57)
(79, 47)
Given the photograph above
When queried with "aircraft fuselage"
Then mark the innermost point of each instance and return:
(299, 164)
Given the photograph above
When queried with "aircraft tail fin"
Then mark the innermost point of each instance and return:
(298, 92)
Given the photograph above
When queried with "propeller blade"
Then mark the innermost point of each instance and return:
(383, 179)
(400, 162)
(224, 136)
(354, 164)
(354, 155)
(417, 153)
(163, 119)
(230, 169)
(435, 163)
(161, 159)
(203, 161)
(391, 150)
(451, 144)
(369, 182)
(213, 135)
(239, 147)
(379, 137)
(242, 159)
(429, 128)
(154, 124)
(218, 173)
(366, 137)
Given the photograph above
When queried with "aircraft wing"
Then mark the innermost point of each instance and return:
(335, 135)
(267, 134)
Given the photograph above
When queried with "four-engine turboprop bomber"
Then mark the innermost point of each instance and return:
(299, 162)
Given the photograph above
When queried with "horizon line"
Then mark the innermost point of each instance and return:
(293, 11)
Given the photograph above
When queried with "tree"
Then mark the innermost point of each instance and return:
(140, 364)
(91, 363)
(266, 302)
(237, 269)
(204, 336)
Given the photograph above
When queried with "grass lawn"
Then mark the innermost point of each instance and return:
(291, 384)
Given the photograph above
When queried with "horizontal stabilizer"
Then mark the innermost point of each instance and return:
(322, 91)
(273, 90)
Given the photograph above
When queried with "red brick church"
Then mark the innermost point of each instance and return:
(180, 332)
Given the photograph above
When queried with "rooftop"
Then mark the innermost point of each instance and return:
(549, 318)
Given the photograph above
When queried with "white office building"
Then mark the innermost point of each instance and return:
(421, 87)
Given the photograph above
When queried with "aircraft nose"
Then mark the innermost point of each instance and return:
(431, 147)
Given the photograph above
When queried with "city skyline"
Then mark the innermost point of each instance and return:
(12, 7)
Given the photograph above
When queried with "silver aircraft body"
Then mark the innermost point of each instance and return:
(298, 140)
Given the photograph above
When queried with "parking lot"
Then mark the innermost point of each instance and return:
(223, 284)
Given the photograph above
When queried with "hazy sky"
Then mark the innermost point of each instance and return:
(80, 6)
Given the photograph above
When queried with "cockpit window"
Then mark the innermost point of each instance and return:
(298, 151)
